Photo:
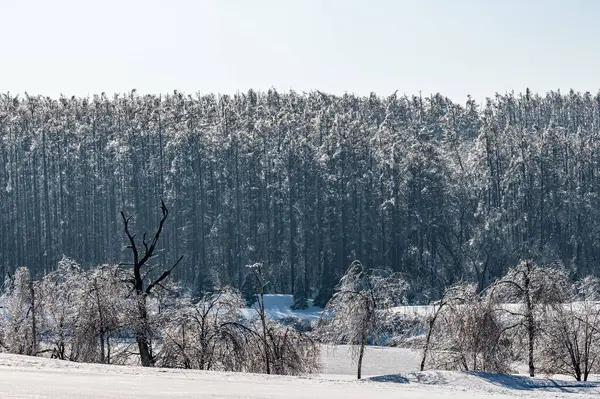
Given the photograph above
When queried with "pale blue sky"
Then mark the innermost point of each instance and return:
(456, 47)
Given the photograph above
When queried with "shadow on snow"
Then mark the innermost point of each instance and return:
(507, 381)
(522, 383)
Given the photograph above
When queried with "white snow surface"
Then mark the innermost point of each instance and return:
(386, 375)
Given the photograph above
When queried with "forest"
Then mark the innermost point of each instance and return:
(304, 184)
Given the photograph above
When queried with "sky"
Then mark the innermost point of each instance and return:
(454, 47)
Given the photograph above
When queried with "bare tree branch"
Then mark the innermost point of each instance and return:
(163, 276)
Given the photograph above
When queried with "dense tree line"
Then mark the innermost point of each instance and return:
(304, 184)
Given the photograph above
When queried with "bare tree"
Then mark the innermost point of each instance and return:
(75, 311)
(21, 331)
(104, 312)
(468, 333)
(571, 333)
(534, 288)
(452, 296)
(257, 270)
(284, 350)
(143, 284)
(60, 291)
(194, 337)
(213, 334)
(262, 345)
(357, 310)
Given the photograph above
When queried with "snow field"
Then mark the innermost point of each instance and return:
(389, 373)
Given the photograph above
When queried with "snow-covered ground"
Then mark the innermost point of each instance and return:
(280, 306)
(378, 360)
(389, 373)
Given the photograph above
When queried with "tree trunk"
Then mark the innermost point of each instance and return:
(34, 342)
(361, 354)
(292, 222)
(141, 334)
(530, 324)
(144, 348)
(141, 331)
(427, 342)
(107, 348)
(531, 365)
(102, 352)
(263, 320)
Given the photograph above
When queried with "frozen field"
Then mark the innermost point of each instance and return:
(388, 374)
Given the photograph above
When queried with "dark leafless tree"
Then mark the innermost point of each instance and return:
(143, 283)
